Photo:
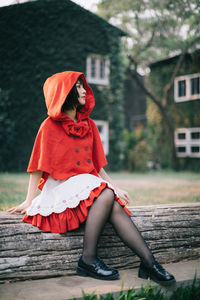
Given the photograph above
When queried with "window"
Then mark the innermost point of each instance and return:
(97, 69)
(187, 87)
(102, 68)
(93, 67)
(181, 149)
(195, 149)
(181, 88)
(195, 86)
(187, 141)
(181, 136)
(104, 134)
(195, 135)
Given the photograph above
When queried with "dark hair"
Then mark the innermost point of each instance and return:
(71, 101)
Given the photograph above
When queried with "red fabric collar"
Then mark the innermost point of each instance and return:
(79, 129)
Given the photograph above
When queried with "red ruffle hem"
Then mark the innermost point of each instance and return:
(70, 218)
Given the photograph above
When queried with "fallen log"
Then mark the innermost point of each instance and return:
(171, 231)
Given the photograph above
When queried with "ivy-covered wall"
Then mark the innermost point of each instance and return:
(39, 39)
(182, 114)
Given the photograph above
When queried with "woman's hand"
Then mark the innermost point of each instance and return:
(20, 208)
(32, 188)
(123, 195)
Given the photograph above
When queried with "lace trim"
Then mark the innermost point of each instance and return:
(57, 195)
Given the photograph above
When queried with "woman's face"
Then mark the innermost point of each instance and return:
(81, 92)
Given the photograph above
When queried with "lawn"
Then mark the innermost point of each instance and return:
(158, 187)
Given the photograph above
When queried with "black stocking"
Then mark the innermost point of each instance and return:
(98, 215)
(129, 234)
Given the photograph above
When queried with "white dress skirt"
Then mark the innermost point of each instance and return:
(63, 204)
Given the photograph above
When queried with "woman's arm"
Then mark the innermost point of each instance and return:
(123, 195)
(32, 188)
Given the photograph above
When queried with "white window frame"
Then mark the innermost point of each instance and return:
(104, 134)
(188, 142)
(188, 96)
(97, 79)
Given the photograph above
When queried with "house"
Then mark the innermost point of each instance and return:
(41, 38)
(183, 105)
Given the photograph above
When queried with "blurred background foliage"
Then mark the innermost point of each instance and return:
(158, 30)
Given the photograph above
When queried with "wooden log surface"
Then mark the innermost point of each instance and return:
(171, 231)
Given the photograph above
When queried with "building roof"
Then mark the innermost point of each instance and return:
(171, 59)
(82, 9)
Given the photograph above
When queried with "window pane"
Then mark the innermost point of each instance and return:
(195, 149)
(195, 135)
(195, 82)
(181, 88)
(181, 149)
(93, 67)
(181, 136)
(102, 68)
(100, 128)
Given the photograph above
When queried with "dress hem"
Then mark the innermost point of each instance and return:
(70, 218)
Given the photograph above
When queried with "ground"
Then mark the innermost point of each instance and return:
(158, 187)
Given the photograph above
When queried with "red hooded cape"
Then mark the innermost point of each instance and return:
(64, 148)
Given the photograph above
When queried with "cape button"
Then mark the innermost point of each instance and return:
(76, 150)
(74, 137)
(86, 148)
(78, 163)
(89, 161)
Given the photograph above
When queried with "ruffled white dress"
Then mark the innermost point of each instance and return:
(63, 204)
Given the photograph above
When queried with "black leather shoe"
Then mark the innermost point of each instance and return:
(98, 270)
(157, 273)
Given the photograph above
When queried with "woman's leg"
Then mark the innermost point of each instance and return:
(98, 214)
(129, 234)
(104, 208)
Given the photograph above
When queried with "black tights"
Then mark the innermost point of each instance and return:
(104, 209)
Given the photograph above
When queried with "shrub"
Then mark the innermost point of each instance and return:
(140, 156)
(136, 149)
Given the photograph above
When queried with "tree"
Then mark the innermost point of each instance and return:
(156, 29)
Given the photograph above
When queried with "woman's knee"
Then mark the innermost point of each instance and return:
(108, 195)
(117, 208)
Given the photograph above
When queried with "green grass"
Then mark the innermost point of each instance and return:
(155, 187)
(160, 187)
(12, 189)
(190, 291)
(162, 174)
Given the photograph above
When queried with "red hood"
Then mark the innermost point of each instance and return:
(57, 87)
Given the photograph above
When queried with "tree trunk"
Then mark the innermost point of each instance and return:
(172, 232)
(163, 112)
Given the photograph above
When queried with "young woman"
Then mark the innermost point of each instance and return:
(67, 165)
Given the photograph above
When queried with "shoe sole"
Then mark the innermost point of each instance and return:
(82, 272)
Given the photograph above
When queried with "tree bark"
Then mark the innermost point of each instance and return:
(172, 232)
